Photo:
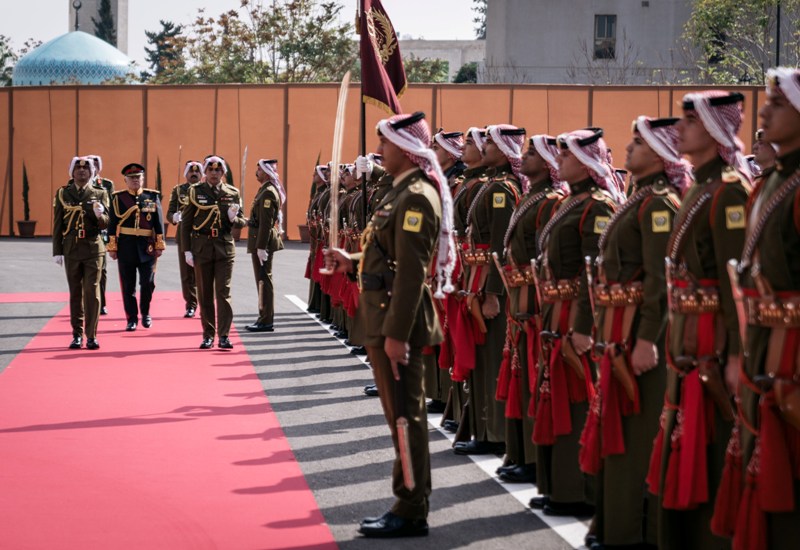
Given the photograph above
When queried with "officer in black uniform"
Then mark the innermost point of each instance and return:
(136, 227)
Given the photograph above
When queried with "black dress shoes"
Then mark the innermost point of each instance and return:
(104, 310)
(538, 503)
(131, 326)
(76, 343)
(259, 327)
(92, 343)
(474, 447)
(147, 321)
(580, 509)
(450, 426)
(371, 390)
(208, 343)
(225, 343)
(525, 473)
(341, 335)
(435, 406)
(393, 526)
(359, 350)
(189, 312)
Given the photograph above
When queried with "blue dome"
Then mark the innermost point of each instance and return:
(72, 58)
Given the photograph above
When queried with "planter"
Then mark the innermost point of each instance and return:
(27, 228)
(305, 236)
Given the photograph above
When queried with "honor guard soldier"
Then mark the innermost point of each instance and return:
(316, 238)
(137, 240)
(108, 186)
(488, 217)
(761, 467)
(565, 378)
(518, 370)
(193, 173)
(399, 244)
(764, 153)
(703, 343)
(214, 208)
(630, 301)
(80, 212)
(449, 148)
(265, 227)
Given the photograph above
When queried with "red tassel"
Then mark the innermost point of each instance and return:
(503, 378)
(532, 406)
(726, 506)
(543, 433)
(672, 479)
(653, 478)
(589, 455)
(751, 531)
(775, 483)
(514, 402)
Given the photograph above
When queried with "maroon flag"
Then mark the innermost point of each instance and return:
(383, 78)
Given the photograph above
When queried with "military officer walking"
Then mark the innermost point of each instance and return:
(264, 239)
(80, 212)
(137, 240)
(214, 208)
(108, 186)
(193, 173)
(399, 243)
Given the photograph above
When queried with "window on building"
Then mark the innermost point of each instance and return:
(605, 36)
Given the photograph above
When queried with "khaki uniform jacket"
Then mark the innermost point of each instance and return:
(73, 216)
(204, 215)
(263, 223)
(406, 228)
(178, 199)
(465, 191)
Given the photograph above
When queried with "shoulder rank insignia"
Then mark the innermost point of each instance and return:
(734, 217)
(660, 221)
(498, 200)
(600, 224)
(600, 195)
(730, 175)
(412, 221)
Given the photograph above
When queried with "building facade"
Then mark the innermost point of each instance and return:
(91, 8)
(584, 42)
(456, 52)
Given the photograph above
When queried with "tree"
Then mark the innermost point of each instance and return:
(467, 74)
(425, 70)
(166, 57)
(734, 41)
(105, 28)
(479, 8)
(284, 41)
(8, 58)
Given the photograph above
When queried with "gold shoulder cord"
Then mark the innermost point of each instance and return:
(69, 214)
(213, 212)
(128, 213)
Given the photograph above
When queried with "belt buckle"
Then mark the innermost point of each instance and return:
(214, 232)
(81, 233)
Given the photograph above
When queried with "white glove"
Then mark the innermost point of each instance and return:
(98, 209)
(176, 218)
(363, 166)
(59, 260)
(262, 255)
(232, 211)
(189, 258)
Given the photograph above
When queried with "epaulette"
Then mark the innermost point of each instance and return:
(154, 191)
(601, 196)
(118, 192)
(229, 186)
(554, 195)
(416, 187)
(730, 175)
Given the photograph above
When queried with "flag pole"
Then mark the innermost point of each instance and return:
(363, 123)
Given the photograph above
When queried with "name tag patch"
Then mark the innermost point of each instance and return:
(661, 221)
(734, 217)
(498, 200)
(600, 224)
(412, 221)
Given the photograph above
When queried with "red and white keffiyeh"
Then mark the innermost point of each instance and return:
(510, 140)
(661, 135)
(591, 150)
(547, 147)
(452, 142)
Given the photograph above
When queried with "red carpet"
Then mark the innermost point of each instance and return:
(148, 443)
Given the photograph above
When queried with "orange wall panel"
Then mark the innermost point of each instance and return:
(5, 173)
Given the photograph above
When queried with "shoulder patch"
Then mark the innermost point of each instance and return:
(734, 217)
(660, 221)
(600, 224)
(267, 203)
(498, 200)
(412, 221)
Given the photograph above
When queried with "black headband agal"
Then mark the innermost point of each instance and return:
(402, 123)
(512, 131)
(730, 99)
(450, 135)
(583, 142)
(548, 140)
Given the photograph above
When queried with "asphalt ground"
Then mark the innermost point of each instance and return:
(338, 435)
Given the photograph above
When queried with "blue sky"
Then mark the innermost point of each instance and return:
(47, 19)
